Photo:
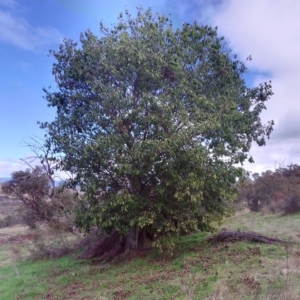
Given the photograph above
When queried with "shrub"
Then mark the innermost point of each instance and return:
(9, 220)
(30, 218)
(42, 248)
(42, 202)
(292, 205)
(272, 191)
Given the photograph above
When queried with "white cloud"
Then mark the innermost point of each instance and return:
(268, 30)
(15, 30)
(11, 165)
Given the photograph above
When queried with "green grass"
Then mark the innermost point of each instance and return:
(196, 270)
(28, 279)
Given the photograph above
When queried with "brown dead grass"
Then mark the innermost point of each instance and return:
(9, 206)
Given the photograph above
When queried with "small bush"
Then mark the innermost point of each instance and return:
(42, 248)
(41, 201)
(292, 205)
(30, 218)
(273, 207)
(9, 221)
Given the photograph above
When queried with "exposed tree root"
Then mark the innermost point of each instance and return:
(105, 248)
(101, 247)
(249, 236)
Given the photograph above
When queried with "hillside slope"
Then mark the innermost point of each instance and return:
(194, 270)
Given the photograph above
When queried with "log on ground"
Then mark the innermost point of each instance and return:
(249, 236)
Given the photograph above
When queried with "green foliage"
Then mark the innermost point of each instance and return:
(152, 122)
(34, 277)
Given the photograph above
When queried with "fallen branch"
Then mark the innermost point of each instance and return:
(249, 236)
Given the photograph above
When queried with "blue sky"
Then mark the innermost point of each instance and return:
(266, 29)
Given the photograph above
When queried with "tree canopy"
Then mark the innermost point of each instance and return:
(152, 121)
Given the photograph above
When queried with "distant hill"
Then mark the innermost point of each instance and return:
(4, 179)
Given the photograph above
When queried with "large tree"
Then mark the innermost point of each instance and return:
(152, 121)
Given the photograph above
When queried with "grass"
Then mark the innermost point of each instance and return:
(32, 280)
(196, 270)
(8, 206)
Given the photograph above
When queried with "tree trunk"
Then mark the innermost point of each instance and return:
(254, 204)
(131, 241)
(105, 248)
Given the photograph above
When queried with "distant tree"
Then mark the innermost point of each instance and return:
(258, 193)
(152, 121)
(32, 188)
(41, 154)
(279, 190)
(42, 202)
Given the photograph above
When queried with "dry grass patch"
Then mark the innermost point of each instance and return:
(9, 207)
